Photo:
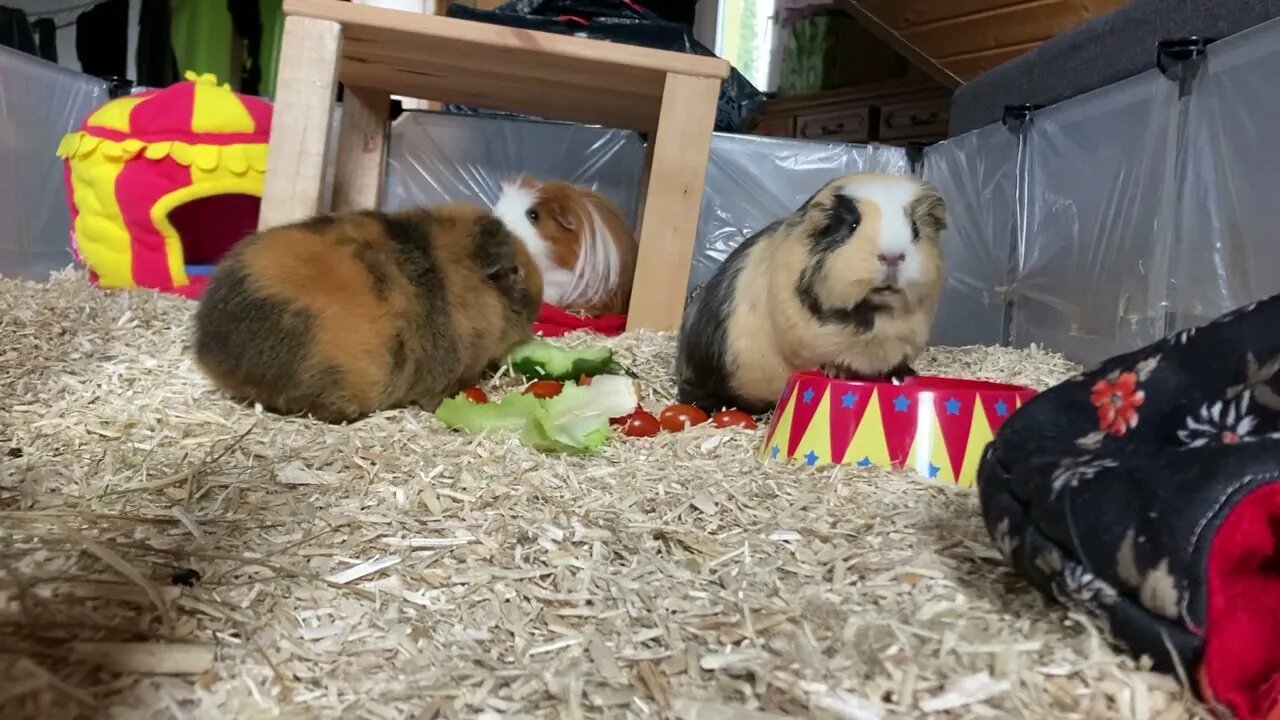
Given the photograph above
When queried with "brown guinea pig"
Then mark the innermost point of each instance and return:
(579, 239)
(343, 315)
(848, 283)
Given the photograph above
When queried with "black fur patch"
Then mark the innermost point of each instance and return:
(402, 229)
(263, 341)
(377, 265)
(901, 371)
(411, 236)
(842, 220)
(702, 360)
(495, 252)
(399, 355)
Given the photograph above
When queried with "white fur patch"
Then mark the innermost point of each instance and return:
(512, 204)
(893, 199)
(597, 272)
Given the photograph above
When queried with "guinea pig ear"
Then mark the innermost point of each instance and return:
(929, 210)
(563, 214)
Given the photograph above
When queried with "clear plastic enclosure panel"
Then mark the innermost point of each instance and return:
(977, 174)
(39, 103)
(1094, 272)
(1228, 248)
(437, 157)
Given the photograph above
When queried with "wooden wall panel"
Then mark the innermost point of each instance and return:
(1018, 25)
(968, 37)
(971, 65)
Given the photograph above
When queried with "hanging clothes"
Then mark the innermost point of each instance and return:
(246, 20)
(15, 31)
(201, 37)
(272, 34)
(102, 39)
(46, 38)
(157, 64)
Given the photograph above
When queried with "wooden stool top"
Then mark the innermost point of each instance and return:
(501, 68)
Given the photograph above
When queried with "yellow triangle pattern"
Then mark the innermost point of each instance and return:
(780, 432)
(868, 439)
(817, 437)
(979, 435)
(927, 448)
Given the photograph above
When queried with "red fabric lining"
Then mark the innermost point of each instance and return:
(554, 322)
(1241, 666)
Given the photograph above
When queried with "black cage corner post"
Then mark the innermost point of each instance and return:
(1179, 60)
(915, 156)
(1017, 119)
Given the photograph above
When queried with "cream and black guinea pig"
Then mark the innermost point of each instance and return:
(848, 283)
(343, 315)
(578, 237)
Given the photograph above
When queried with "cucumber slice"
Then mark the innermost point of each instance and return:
(541, 360)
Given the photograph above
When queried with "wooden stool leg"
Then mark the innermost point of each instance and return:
(306, 85)
(362, 150)
(673, 199)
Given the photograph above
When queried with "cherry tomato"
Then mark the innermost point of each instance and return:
(641, 424)
(584, 380)
(542, 389)
(733, 418)
(680, 416)
(476, 395)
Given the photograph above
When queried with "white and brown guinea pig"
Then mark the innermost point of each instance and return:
(848, 283)
(578, 238)
(344, 315)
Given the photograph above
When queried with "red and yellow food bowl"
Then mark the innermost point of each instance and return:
(936, 426)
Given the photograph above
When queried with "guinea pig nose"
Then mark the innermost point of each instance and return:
(892, 260)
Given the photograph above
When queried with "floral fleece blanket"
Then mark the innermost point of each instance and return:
(1145, 491)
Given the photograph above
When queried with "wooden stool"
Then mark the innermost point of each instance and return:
(377, 52)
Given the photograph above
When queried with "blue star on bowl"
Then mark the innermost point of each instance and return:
(773, 452)
(933, 471)
(953, 406)
(1001, 408)
(811, 458)
(848, 399)
(901, 404)
(865, 462)
(808, 395)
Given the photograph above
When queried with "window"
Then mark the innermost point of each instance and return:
(746, 35)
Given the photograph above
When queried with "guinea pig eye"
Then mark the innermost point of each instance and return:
(915, 231)
(532, 215)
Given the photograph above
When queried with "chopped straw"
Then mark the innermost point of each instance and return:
(169, 553)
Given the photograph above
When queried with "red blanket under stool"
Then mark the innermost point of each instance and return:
(554, 322)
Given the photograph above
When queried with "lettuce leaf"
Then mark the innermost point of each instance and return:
(576, 420)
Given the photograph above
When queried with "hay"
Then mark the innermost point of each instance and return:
(170, 552)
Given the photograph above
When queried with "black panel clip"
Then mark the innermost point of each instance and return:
(118, 87)
(1180, 59)
(1017, 116)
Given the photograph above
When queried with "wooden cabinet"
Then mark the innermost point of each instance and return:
(852, 124)
(893, 113)
(915, 119)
